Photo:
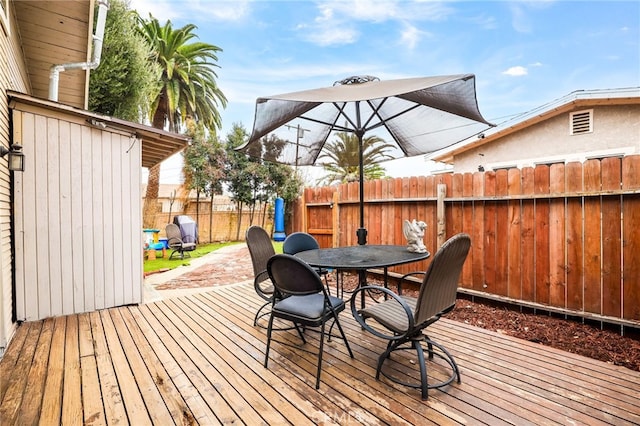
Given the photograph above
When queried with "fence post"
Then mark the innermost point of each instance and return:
(335, 216)
(440, 215)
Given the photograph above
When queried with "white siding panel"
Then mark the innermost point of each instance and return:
(87, 221)
(52, 193)
(41, 235)
(65, 254)
(98, 218)
(78, 219)
(75, 238)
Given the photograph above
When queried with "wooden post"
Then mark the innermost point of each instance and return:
(440, 215)
(303, 210)
(335, 216)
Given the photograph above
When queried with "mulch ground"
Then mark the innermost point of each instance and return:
(599, 341)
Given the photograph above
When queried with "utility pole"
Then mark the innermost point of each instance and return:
(299, 135)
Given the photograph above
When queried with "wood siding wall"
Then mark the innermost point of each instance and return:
(13, 75)
(565, 236)
(77, 217)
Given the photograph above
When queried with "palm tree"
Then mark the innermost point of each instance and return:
(187, 88)
(342, 154)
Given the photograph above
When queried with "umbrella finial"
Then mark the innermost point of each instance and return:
(356, 79)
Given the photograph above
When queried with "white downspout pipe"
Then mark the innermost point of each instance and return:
(98, 36)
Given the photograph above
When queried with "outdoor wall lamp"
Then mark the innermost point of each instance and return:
(16, 157)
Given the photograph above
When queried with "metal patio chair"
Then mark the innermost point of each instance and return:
(301, 241)
(260, 249)
(176, 243)
(402, 320)
(300, 297)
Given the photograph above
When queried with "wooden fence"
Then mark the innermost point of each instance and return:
(562, 237)
(219, 226)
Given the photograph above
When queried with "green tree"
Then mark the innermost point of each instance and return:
(126, 80)
(237, 176)
(188, 88)
(342, 162)
(204, 163)
(251, 181)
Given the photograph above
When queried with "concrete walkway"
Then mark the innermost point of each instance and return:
(227, 265)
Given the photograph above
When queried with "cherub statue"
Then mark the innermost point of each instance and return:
(414, 233)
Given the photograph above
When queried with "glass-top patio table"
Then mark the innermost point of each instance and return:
(361, 258)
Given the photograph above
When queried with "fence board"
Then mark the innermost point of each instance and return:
(541, 236)
(489, 242)
(631, 239)
(575, 245)
(477, 234)
(592, 239)
(514, 239)
(467, 227)
(528, 227)
(557, 239)
(611, 239)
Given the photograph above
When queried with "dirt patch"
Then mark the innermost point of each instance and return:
(604, 343)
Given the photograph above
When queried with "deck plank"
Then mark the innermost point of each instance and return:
(72, 381)
(199, 360)
(109, 389)
(35, 379)
(52, 397)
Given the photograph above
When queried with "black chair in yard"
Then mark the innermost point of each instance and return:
(406, 318)
(260, 249)
(301, 241)
(301, 298)
(176, 242)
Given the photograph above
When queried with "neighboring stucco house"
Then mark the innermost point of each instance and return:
(70, 223)
(582, 125)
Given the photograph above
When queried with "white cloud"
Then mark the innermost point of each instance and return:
(380, 11)
(193, 10)
(517, 71)
(410, 37)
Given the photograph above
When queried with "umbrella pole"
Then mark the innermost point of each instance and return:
(362, 231)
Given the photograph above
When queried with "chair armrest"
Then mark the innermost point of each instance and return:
(394, 299)
(405, 276)
(263, 285)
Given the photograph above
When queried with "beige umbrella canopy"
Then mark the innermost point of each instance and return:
(420, 115)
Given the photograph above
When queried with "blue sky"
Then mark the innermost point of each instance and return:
(524, 54)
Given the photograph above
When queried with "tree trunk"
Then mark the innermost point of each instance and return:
(239, 221)
(150, 209)
(211, 219)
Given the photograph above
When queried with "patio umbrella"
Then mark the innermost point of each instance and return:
(421, 115)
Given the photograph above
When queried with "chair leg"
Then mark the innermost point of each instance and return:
(344, 337)
(449, 358)
(269, 330)
(320, 356)
(255, 319)
(300, 333)
(423, 368)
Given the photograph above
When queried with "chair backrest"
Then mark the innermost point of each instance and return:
(440, 285)
(293, 276)
(174, 238)
(260, 248)
(299, 241)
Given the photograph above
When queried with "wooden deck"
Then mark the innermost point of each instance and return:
(199, 360)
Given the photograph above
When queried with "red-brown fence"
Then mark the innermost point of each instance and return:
(562, 236)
